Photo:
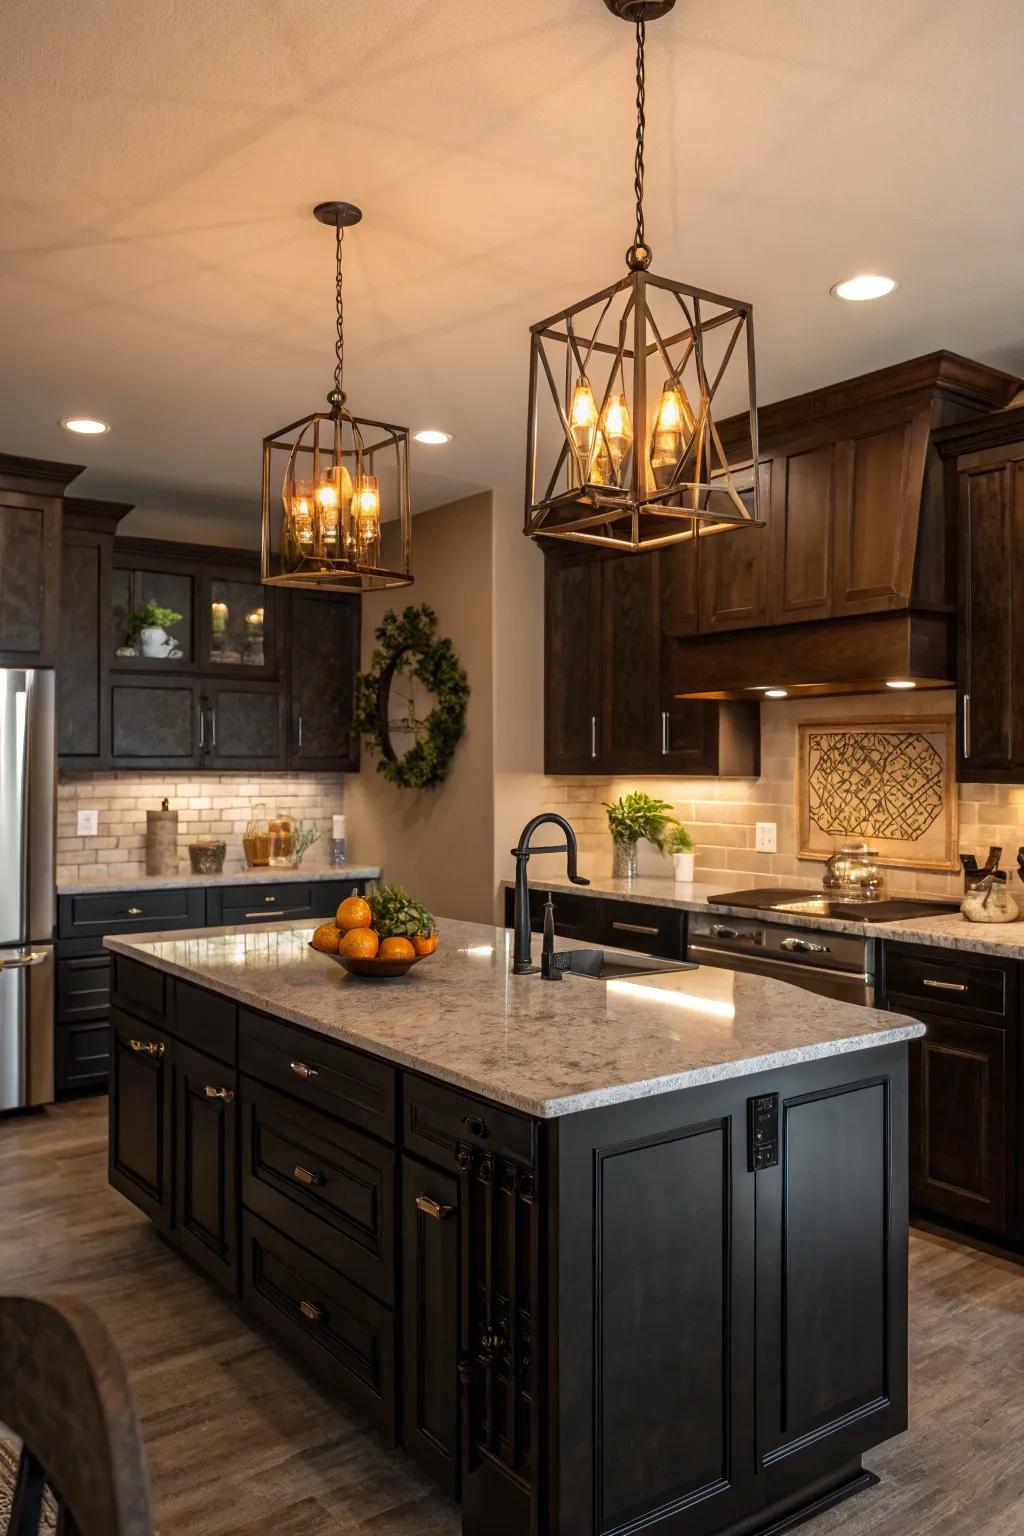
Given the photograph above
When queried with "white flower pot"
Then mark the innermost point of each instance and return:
(154, 641)
(682, 866)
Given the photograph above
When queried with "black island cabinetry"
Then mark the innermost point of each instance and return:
(579, 1326)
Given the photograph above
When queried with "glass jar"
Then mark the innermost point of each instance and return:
(989, 901)
(853, 873)
(256, 838)
(282, 842)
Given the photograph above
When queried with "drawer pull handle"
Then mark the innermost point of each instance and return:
(636, 928)
(721, 931)
(803, 947)
(134, 911)
(301, 1070)
(261, 913)
(146, 1047)
(474, 1125)
(312, 1311)
(227, 1094)
(306, 1175)
(433, 1208)
(944, 986)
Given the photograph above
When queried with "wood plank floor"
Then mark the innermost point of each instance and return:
(240, 1440)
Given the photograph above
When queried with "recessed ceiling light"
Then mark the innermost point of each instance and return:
(433, 436)
(866, 285)
(900, 682)
(86, 426)
(776, 693)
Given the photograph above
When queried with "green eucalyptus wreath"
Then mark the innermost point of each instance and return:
(408, 644)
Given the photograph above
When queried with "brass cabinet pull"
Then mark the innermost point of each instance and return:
(261, 913)
(146, 1047)
(301, 1070)
(636, 928)
(270, 898)
(134, 911)
(306, 1175)
(227, 1094)
(433, 1208)
(312, 1311)
(945, 986)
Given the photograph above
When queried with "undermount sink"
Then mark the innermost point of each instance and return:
(611, 967)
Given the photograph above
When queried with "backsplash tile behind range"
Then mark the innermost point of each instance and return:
(207, 804)
(722, 813)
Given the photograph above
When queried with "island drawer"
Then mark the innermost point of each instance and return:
(97, 913)
(140, 990)
(328, 1187)
(205, 1020)
(319, 1071)
(964, 985)
(260, 902)
(346, 1336)
(436, 1119)
(648, 929)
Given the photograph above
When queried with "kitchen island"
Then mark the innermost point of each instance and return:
(602, 1255)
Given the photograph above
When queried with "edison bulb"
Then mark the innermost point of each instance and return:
(366, 515)
(583, 421)
(673, 424)
(617, 429)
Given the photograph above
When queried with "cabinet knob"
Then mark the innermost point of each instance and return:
(270, 898)
(134, 911)
(227, 1094)
(146, 1047)
(306, 1175)
(312, 1311)
(474, 1125)
(433, 1208)
(301, 1070)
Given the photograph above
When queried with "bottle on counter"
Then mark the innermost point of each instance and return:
(337, 850)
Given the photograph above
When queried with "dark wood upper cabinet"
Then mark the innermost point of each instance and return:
(156, 722)
(31, 498)
(629, 662)
(572, 663)
(988, 461)
(324, 636)
(733, 571)
(85, 632)
(244, 726)
(802, 534)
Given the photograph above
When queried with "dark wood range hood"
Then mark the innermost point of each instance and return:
(852, 582)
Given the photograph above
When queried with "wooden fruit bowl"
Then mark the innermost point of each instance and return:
(357, 965)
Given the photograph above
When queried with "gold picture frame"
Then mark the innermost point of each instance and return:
(888, 782)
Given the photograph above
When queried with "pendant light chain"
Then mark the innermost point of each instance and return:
(339, 299)
(638, 257)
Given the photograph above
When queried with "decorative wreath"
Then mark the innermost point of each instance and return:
(408, 644)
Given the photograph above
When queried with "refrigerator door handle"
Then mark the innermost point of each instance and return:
(22, 962)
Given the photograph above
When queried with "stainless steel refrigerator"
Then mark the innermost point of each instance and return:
(27, 790)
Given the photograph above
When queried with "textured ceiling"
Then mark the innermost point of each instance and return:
(159, 267)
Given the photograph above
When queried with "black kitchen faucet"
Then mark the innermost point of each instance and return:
(522, 961)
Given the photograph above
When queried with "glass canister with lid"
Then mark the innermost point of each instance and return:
(853, 873)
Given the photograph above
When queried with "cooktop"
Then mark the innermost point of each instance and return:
(891, 909)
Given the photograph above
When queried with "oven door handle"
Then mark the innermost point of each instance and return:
(767, 963)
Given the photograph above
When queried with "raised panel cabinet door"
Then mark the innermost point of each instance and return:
(990, 693)
(206, 1164)
(831, 1272)
(140, 1110)
(962, 1123)
(430, 1321)
(878, 481)
(28, 567)
(244, 726)
(572, 669)
(324, 639)
(802, 533)
(733, 570)
(679, 597)
(629, 737)
(156, 724)
(81, 669)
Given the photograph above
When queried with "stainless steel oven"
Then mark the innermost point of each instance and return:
(832, 964)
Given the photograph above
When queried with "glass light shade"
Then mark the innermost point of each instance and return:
(617, 429)
(673, 425)
(583, 423)
(366, 519)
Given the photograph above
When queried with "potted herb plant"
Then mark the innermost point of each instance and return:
(147, 630)
(681, 846)
(632, 817)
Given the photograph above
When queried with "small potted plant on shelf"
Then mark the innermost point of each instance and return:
(681, 846)
(632, 817)
(147, 631)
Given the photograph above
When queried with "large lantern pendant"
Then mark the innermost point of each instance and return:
(331, 479)
(626, 387)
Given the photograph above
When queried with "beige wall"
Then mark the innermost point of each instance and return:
(438, 843)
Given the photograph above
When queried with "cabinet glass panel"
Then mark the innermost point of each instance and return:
(152, 615)
(236, 622)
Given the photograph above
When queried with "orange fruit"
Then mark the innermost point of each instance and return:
(425, 943)
(359, 944)
(326, 938)
(396, 948)
(354, 912)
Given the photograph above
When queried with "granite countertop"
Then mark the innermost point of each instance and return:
(97, 884)
(546, 1048)
(949, 931)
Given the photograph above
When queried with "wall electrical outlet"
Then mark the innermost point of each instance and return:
(764, 836)
(88, 823)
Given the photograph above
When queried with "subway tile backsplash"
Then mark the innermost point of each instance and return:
(207, 805)
(722, 813)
